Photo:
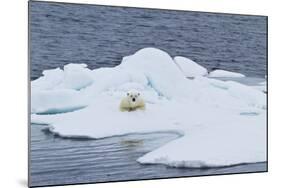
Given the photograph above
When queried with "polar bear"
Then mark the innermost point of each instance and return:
(132, 101)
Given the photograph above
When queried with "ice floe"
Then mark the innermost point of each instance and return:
(221, 123)
(224, 73)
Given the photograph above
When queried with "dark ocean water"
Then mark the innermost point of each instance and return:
(100, 36)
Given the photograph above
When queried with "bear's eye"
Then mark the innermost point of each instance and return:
(138, 94)
(127, 94)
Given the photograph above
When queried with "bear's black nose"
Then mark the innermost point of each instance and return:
(134, 99)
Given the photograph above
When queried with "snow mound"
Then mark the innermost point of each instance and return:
(221, 122)
(189, 67)
(76, 76)
(73, 76)
(224, 73)
(58, 90)
(49, 79)
(160, 71)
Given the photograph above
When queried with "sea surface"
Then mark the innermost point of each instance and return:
(100, 36)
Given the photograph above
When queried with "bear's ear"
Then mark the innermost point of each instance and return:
(128, 94)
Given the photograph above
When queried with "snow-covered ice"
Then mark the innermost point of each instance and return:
(261, 86)
(59, 90)
(220, 123)
(223, 73)
(189, 67)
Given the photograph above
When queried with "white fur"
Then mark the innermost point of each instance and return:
(132, 101)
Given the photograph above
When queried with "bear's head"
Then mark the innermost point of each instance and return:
(133, 96)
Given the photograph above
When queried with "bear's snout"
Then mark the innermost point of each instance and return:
(133, 99)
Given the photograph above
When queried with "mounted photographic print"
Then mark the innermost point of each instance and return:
(120, 93)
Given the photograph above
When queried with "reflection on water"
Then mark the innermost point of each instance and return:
(249, 113)
(132, 143)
